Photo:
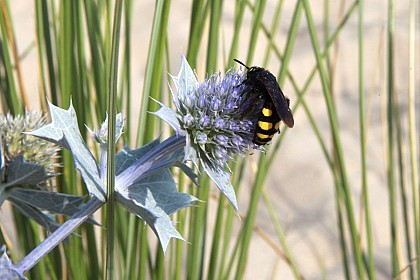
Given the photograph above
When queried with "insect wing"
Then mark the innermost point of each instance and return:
(280, 101)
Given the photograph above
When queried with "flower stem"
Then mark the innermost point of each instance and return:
(144, 165)
(57, 236)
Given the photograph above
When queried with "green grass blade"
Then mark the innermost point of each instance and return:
(199, 14)
(280, 234)
(212, 46)
(390, 144)
(247, 228)
(290, 43)
(239, 15)
(97, 53)
(412, 133)
(128, 15)
(362, 127)
(12, 99)
(197, 233)
(358, 257)
(258, 11)
(156, 48)
(45, 40)
(273, 29)
(217, 239)
(112, 65)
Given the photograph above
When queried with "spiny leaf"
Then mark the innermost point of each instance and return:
(170, 117)
(221, 178)
(153, 198)
(64, 131)
(53, 202)
(43, 219)
(186, 81)
(7, 269)
(20, 172)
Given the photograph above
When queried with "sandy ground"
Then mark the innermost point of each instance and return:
(300, 183)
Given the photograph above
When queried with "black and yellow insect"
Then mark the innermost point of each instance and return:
(264, 96)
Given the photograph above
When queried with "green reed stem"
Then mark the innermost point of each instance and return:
(280, 234)
(199, 14)
(290, 43)
(161, 12)
(247, 229)
(358, 257)
(362, 127)
(258, 11)
(112, 65)
(212, 46)
(239, 15)
(412, 133)
(12, 98)
(390, 149)
(273, 30)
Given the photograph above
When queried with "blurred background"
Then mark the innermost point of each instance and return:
(327, 192)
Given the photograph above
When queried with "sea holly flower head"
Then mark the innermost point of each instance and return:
(208, 114)
(16, 141)
(101, 135)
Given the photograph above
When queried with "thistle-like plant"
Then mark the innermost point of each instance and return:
(210, 131)
(209, 115)
(17, 143)
(27, 164)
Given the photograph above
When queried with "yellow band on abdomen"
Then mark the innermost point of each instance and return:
(267, 112)
(264, 136)
(265, 125)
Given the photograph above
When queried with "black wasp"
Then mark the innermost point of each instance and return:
(264, 96)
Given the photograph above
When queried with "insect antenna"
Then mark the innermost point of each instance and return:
(241, 63)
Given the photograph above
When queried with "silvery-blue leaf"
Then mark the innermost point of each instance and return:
(174, 95)
(33, 213)
(160, 157)
(119, 126)
(191, 153)
(153, 198)
(167, 162)
(221, 178)
(127, 156)
(170, 117)
(125, 159)
(188, 171)
(64, 131)
(21, 172)
(1, 159)
(58, 203)
(160, 224)
(186, 81)
(101, 135)
(7, 269)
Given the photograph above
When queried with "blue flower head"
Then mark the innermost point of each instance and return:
(208, 114)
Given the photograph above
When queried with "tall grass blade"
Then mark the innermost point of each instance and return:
(8, 58)
(280, 234)
(395, 262)
(413, 144)
(153, 70)
(362, 127)
(258, 11)
(358, 257)
(112, 65)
